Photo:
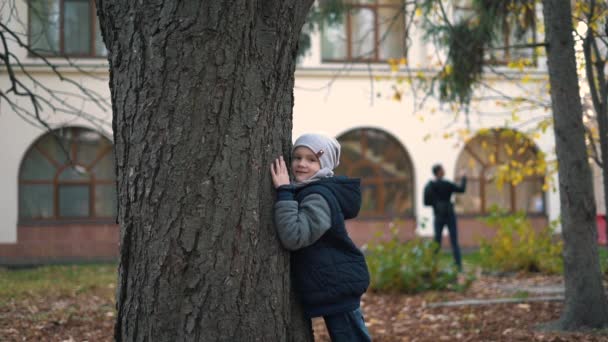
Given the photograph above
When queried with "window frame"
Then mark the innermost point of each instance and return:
(484, 181)
(57, 184)
(347, 27)
(61, 48)
(506, 35)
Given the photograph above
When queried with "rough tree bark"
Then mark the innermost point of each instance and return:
(595, 67)
(202, 97)
(585, 300)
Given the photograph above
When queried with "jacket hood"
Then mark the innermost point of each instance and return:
(348, 193)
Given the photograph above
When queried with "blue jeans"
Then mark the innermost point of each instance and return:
(450, 221)
(347, 327)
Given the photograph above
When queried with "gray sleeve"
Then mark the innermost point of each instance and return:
(301, 225)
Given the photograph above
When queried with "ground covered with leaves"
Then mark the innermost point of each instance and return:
(76, 303)
(395, 317)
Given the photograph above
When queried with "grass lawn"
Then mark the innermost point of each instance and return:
(58, 303)
(473, 258)
(56, 280)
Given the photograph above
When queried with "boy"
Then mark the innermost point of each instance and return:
(330, 273)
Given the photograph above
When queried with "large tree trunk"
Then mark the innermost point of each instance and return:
(585, 304)
(202, 96)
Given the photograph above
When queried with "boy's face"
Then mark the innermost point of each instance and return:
(304, 163)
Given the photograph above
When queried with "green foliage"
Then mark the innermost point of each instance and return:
(468, 39)
(518, 247)
(603, 251)
(456, 83)
(410, 267)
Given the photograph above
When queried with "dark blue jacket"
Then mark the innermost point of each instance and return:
(331, 274)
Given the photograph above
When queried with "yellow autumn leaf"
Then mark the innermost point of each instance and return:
(492, 159)
(463, 133)
(483, 131)
(514, 117)
(397, 95)
(472, 163)
(448, 69)
(521, 150)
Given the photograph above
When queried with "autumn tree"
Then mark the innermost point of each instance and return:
(467, 42)
(202, 96)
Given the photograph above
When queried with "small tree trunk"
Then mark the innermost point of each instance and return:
(585, 300)
(598, 88)
(602, 123)
(202, 97)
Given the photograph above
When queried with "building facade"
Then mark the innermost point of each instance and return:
(358, 82)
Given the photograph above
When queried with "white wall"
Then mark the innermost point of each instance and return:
(18, 135)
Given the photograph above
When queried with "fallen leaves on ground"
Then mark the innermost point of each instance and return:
(89, 316)
(81, 317)
(395, 317)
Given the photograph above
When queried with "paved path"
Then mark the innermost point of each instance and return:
(472, 302)
(540, 290)
(542, 293)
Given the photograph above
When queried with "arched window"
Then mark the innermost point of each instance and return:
(385, 169)
(504, 168)
(68, 174)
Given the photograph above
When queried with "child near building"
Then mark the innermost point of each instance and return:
(329, 272)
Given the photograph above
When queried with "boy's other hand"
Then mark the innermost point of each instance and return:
(279, 173)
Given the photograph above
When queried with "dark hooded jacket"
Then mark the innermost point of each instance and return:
(438, 194)
(331, 275)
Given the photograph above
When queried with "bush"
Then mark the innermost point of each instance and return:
(518, 247)
(409, 267)
(603, 251)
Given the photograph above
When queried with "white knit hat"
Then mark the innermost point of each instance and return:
(327, 150)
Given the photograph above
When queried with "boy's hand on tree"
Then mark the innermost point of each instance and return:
(279, 173)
